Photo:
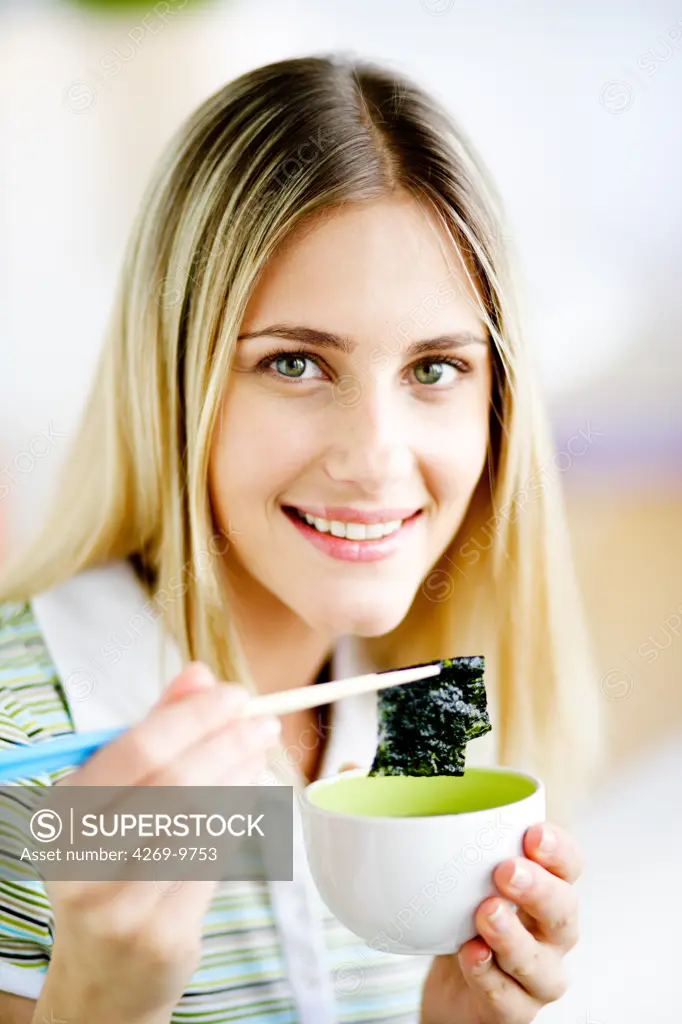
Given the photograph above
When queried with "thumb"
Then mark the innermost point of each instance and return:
(348, 766)
(195, 677)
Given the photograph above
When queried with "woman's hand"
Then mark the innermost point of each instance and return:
(523, 970)
(123, 950)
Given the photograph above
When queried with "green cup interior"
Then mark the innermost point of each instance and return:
(409, 796)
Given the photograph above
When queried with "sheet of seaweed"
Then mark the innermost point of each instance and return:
(424, 727)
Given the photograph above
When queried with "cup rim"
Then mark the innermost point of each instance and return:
(304, 797)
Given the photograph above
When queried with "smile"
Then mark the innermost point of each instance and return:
(357, 540)
(353, 531)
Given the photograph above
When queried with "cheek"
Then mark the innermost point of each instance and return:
(258, 453)
(456, 448)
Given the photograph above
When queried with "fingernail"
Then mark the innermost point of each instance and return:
(521, 878)
(499, 919)
(548, 840)
(482, 965)
(201, 673)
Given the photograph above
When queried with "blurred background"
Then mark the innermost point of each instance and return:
(576, 109)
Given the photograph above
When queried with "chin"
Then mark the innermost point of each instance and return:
(357, 617)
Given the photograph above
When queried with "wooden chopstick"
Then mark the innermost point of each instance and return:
(286, 701)
(22, 762)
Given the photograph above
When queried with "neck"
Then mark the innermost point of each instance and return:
(282, 650)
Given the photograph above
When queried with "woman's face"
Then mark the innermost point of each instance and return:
(359, 395)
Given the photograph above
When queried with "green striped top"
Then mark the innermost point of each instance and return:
(277, 957)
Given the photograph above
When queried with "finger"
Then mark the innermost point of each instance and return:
(348, 766)
(548, 900)
(555, 849)
(497, 992)
(161, 737)
(237, 752)
(232, 758)
(196, 676)
(537, 967)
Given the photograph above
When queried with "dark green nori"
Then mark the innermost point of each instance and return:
(424, 726)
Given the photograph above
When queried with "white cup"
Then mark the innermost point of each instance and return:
(404, 861)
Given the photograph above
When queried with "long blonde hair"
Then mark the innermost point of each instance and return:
(278, 145)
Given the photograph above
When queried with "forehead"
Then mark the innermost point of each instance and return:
(363, 269)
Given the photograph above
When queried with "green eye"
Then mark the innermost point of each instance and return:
(283, 365)
(432, 372)
(294, 362)
(437, 371)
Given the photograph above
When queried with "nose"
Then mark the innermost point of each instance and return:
(369, 450)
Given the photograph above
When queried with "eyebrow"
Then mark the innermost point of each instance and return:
(327, 339)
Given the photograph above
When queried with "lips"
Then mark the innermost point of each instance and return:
(344, 514)
(354, 548)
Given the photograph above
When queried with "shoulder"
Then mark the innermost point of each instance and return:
(22, 648)
(13, 615)
(24, 655)
(32, 706)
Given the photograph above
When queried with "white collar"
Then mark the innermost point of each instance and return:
(114, 660)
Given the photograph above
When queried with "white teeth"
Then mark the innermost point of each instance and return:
(392, 526)
(351, 531)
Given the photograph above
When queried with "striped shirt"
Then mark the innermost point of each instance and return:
(271, 952)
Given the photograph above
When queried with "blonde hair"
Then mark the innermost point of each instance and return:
(272, 149)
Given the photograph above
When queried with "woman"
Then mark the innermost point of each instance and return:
(314, 334)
